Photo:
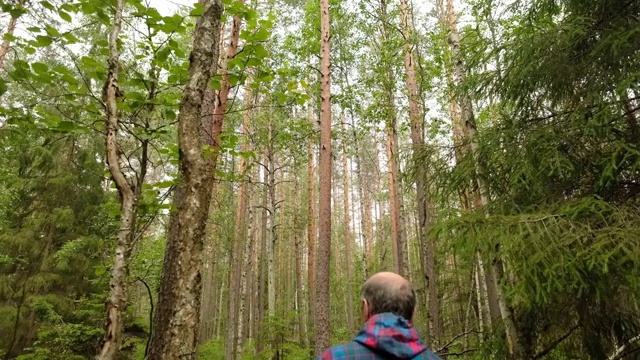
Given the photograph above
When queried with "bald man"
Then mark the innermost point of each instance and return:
(387, 306)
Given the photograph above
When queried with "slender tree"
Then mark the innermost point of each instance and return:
(416, 115)
(469, 134)
(117, 301)
(312, 237)
(348, 239)
(322, 320)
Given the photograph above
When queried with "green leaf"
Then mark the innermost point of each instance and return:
(42, 41)
(87, 8)
(101, 270)
(262, 34)
(197, 10)
(72, 39)
(216, 82)
(51, 31)
(40, 68)
(3, 86)
(234, 79)
(65, 16)
(260, 52)
(65, 126)
(34, 29)
(165, 184)
(47, 5)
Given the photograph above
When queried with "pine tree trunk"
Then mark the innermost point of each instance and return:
(397, 239)
(348, 237)
(273, 235)
(311, 224)
(416, 114)
(399, 255)
(222, 96)
(322, 324)
(364, 192)
(11, 28)
(176, 321)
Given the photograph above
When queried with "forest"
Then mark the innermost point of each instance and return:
(216, 179)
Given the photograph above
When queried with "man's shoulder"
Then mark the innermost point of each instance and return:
(350, 350)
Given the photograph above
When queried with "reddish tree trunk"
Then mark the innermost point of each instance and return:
(322, 325)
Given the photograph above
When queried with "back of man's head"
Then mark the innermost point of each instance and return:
(389, 292)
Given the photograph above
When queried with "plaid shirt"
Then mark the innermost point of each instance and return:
(383, 336)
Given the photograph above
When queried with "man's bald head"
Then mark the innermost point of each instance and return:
(389, 292)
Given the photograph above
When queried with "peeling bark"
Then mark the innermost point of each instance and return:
(176, 321)
(117, 300)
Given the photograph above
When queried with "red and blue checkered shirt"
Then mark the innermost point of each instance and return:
(383, 336)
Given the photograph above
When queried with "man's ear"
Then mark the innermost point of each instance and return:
(365, 309)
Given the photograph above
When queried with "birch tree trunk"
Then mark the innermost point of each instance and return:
(299, 304)
(176, 320)
(263, 259)
(117, 301)
(322, 324)
(481, 198)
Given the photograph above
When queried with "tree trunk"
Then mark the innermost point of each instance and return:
(11, 28)
(399, 255)
(238, 253)
(416, 114)
(348, 238)
(263, 260)
(246, 266)
(311, 223)
(397, 239)
(273, 235)
(117, 301)
(322, 324)
(481, 197)
(222, 95)
(364, 191)
(176, 320)
(299, 307)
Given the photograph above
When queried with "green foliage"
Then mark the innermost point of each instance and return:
(280, 334)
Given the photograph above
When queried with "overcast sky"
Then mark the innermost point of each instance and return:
(168, 7)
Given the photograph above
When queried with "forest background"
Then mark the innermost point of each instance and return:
(217, 180)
